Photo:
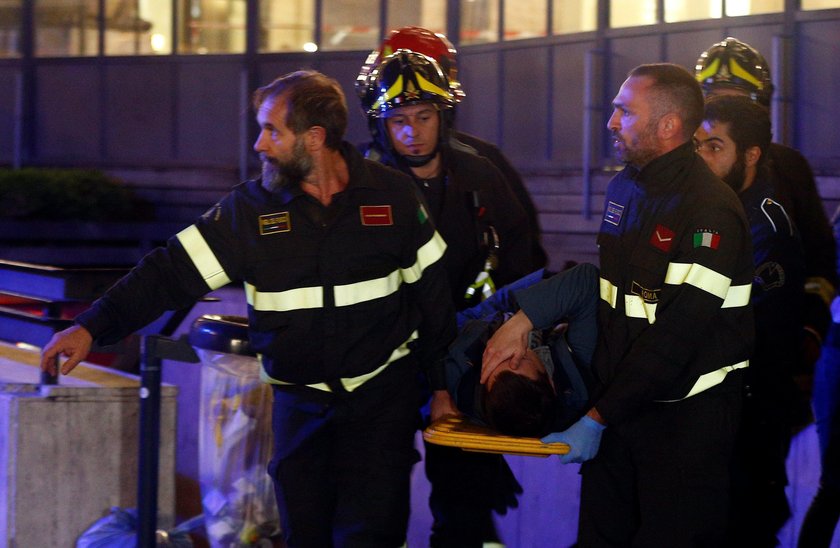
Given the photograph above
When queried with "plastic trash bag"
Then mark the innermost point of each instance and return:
(119, 530)
(235, 443)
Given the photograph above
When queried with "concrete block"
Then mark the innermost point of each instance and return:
(69, 452)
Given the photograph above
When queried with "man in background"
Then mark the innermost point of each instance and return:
(734, 140)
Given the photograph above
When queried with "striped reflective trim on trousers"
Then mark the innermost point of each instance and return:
(349, 383)
(708, 380)
(202, 257)
(348, 294)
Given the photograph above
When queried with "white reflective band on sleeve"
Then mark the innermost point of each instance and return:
(737, 296)
(285, 301)
(709, 380)
(202, 257)
(359, 292)
(609, 292)
(699, 276)
(427, 255)
(350, 383)
(636, 307)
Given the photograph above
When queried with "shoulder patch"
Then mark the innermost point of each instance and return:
(613, 213)
(662, 238)
(214, 213)
(770, 275)
(706, 237)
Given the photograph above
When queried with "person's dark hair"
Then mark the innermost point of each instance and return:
(313, 99)
(519, 406)
(675, 90)
(749, 122)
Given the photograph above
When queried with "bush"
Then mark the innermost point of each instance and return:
(67, 194)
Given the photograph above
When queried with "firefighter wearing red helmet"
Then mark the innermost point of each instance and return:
(438, 47)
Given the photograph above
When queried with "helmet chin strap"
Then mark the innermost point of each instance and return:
(418, 160)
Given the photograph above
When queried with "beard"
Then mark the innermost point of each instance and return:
(640, 150)
(736, 175)
(278, 174)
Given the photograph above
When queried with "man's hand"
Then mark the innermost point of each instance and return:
(583, 439)
(510, 341)
(442, 405)
(74, 342)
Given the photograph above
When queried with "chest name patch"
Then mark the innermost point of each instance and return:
(647, 295)
(706, 237)
(376, 215)
(613, 213)
(662, 238)
(273, 223)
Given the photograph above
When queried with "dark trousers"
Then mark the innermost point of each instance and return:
(661, 478)
(342, 462)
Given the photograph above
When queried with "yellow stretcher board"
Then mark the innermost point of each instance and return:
(470, 436)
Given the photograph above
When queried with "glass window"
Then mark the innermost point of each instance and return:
(139, 27)
(692, 10)
(287, 25)
(66, 27)
(820, 4)
(211, 26)
(574, 16)
(632, 13)
(350, 24)
(753, 7)
(525, 19)
(479, 21)
(10, 14)
(429, 14)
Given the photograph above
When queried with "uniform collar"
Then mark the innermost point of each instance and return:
(359, 176)
(662, 171)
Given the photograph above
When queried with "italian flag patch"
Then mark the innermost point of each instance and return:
(706, 238)
(422, 215)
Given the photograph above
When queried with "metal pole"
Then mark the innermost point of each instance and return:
(590, 108)
(149, 442)
(154, 349)
(781, 98)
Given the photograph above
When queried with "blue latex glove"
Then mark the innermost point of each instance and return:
(583, 438)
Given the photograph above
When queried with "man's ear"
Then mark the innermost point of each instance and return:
(752, 155)
(670, 127)
(314, 138)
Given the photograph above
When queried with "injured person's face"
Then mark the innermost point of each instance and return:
(530, 367)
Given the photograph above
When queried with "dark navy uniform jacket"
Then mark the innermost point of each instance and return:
(334, 293)
(777, 296)
(676, 272)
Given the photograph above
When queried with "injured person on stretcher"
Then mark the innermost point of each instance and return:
(521, 363)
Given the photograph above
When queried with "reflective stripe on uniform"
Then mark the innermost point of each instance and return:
(301, 298)
(636, 307)
(349, 383)
(708, 280)
(368, 290)
(428, 254)
(708, 380)
(609, 292)
(699, 276)
(696, 275)
(202, 257)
